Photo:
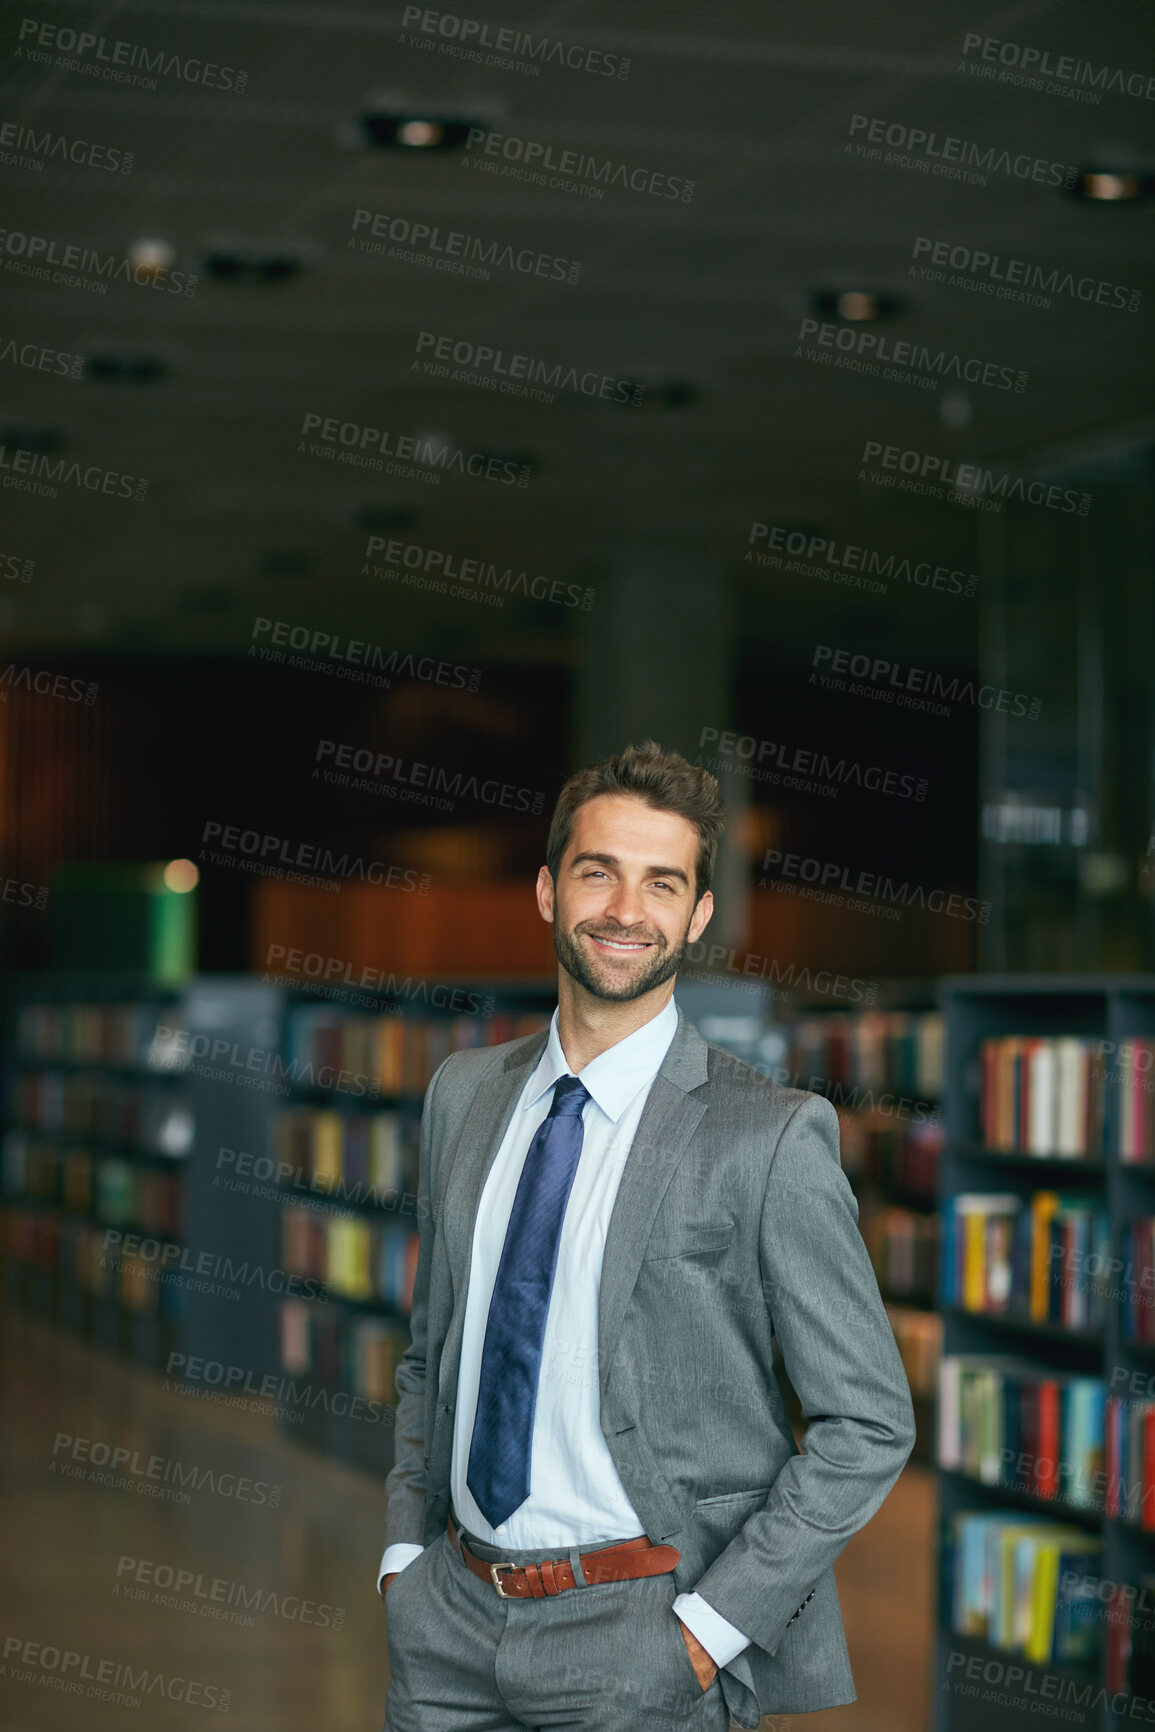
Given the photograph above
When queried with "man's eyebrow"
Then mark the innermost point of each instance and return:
(612, 860)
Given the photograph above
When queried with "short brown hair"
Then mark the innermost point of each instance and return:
(664, 780)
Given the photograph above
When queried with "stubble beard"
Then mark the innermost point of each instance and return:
(661, 966)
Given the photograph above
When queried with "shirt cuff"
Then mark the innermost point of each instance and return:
(717, 1635)
(396, 1557)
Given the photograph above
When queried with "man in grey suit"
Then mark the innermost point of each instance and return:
(598, 1517)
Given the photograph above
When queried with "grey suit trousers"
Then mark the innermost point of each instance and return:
(603, 1658)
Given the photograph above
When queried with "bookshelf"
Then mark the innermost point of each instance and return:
(1070, 1328)
(114, 1122)
(259, 1145)
(98, 1129)
(881, 1065)
(344, 1146)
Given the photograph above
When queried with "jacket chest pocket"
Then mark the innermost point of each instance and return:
(732, 1499)
(688, 1239)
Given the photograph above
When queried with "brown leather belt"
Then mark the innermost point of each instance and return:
(625, 1562)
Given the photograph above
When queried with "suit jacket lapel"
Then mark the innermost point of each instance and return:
(475, 1150)
(670, 1117)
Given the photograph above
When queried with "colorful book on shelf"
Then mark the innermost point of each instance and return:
(1007, 1611)
(365, 1157)
(294, 1338)
(1138, 1280)
(1059, 1615)
(389, 1055)
(355, 1256)
(390, 1167)
(1117, 1642)
(113, 1034)
(398, 1265)
(979, 1273)
(1036, 1260)
(1042, 1095)
(347, 1256)
(1129, 1466)
(903, 1247)
(1038, 1128)
(1079, 1621)
(354, 1152)
(1048, 1440)
(377, 1347)
(1137, 1100)
(1113, 1456)
(970, 1283)
(360, 1354)
(876, 1051)
(138, 1114)
(396, 1054)
(327, 1148)
(1078, 1100)
(903, 1156)
(1005, 1422)
(115, 1192)
(1027, 1585)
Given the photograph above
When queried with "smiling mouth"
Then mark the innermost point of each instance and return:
(623, 946)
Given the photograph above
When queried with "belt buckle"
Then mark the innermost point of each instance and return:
(496, 1579)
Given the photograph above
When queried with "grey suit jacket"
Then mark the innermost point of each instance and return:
(733, 1222)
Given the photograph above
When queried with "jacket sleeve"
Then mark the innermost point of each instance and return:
(841, 1357)
(405, 1485)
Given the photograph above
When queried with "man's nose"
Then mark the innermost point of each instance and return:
(625, 906)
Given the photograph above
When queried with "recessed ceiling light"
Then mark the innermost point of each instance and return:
(394, 129)
(440, 444)
(860, 306)
(1111, 186)
(151, 256)
(955, 410)
(420, 134)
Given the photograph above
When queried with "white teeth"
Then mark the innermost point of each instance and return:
(614, 945)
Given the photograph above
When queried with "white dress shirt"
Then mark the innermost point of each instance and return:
(576, 1497)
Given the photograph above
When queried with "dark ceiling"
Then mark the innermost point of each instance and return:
(701, 301)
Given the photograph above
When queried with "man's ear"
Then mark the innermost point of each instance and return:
(700, 918)
(544, 890)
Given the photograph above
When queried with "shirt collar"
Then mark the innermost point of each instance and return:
(616, 1075)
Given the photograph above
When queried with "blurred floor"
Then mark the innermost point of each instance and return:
(75, 1548)
(886, 1585)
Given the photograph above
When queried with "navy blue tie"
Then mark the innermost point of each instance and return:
(498, 1473)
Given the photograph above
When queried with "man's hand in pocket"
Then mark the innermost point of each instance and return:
(704, 1668)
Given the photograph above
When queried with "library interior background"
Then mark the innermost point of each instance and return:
(403, 408)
